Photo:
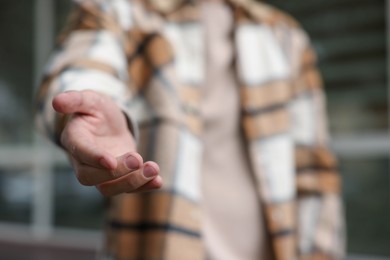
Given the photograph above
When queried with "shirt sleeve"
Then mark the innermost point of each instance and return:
(320, 211)
(90, 54)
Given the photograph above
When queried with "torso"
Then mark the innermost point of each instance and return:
(233, 225)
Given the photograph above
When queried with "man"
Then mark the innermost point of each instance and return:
(224, 99)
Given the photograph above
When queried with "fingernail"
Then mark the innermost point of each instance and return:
(131, 162)
(149, 171)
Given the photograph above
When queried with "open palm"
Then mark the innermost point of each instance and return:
(100, 146)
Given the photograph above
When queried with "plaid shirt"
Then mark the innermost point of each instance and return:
(149, 57)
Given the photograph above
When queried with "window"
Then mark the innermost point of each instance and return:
(38, 190)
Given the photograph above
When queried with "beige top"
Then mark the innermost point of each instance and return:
(233, 226)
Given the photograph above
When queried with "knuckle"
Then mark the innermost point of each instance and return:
(64, 138)
(83, 178)
(68, 141)
(134, 181)
(90, 93)
(92, 99)
(113, 174)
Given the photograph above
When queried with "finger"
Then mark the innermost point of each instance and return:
(127, 162)
(131, 181)
(88, 175)
(155, 183)
(84, 102)
(85, 152)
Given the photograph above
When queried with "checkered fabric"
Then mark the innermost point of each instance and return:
(149, 57)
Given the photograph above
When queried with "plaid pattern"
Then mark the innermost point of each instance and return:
(149, 57)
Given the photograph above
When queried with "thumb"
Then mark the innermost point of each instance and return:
(70, 102)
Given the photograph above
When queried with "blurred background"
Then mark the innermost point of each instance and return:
(46, 214)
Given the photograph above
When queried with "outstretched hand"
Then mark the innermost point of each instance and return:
(100, 146)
